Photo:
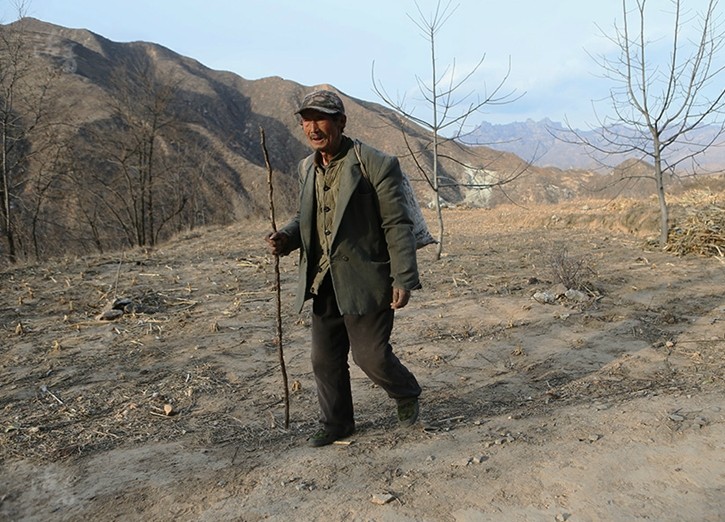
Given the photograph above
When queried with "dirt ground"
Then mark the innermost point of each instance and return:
(604, 404)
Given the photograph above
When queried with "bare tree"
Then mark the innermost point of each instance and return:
(658, 100)
(450, 109)
(142, 109)
(43, 193)
(146, 170)
(190, 186)
(24, 106)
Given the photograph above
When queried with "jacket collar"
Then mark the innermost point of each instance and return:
(349, 178)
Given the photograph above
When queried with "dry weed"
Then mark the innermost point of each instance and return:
(572, 271)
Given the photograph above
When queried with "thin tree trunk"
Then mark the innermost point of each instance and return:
(661, 197)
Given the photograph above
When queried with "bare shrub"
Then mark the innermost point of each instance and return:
(572, 271)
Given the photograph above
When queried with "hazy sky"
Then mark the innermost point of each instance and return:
(336, 42)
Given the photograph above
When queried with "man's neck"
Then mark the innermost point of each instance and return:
(327, 157)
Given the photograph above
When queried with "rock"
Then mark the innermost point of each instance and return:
(575, 295)
(559, 290)
(110, 315)
(382, 498)
(677, 418)
(121, 303)
(591, 438)
(544, 297)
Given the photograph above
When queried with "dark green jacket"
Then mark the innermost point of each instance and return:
(373, 247)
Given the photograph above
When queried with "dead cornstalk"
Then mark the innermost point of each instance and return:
(277, 283)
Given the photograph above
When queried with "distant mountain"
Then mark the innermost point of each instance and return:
(546, 143)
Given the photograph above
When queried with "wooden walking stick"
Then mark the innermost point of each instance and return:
(277, 283)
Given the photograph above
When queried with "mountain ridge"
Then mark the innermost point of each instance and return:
(546, 143)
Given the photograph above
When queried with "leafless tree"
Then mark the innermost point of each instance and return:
(659, 99)
(191, 187)
(142, 111)
(44, 195)
(144, 173)
(24, 111)
(450, 108)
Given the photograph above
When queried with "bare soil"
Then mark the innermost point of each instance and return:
(603, 404)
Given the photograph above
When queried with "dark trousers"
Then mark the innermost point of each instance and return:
(368, 337)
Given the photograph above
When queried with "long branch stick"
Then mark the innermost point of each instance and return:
(277, 283)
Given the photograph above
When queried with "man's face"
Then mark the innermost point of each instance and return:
(323, 131)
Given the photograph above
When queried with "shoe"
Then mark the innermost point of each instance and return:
(325, 437)
(408, 413)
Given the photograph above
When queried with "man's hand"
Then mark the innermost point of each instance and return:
(400, 298)
(277, 242)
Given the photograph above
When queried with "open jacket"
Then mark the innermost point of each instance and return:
(373, 246)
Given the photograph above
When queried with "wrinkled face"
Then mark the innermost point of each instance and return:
(323, 131)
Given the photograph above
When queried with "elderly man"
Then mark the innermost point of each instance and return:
(357, 264)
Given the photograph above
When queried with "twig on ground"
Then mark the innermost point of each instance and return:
(45, 389)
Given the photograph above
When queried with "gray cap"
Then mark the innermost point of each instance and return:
(323, 101)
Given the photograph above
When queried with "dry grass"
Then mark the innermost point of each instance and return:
(697, 219)
(701, 227)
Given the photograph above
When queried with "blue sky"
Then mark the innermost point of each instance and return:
(336, 42)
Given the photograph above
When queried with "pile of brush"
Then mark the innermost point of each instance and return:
(700, 229)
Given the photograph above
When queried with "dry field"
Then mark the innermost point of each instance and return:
(604, 403)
